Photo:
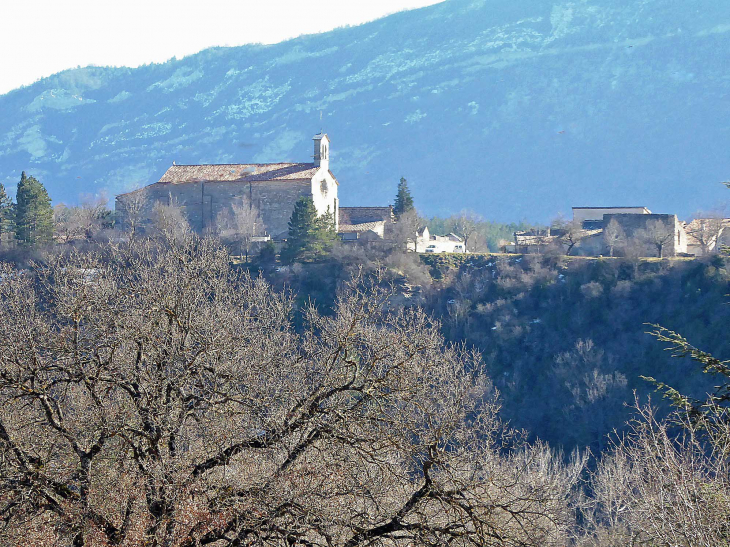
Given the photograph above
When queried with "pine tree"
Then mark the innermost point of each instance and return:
(33, 213)
(7, 216)
(403, 200)
(310, 236)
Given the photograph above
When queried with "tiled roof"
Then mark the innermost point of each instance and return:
(534, 237)
(363, 227)
(251, 172)
(360, 215)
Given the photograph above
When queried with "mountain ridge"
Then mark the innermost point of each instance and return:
(516, 111)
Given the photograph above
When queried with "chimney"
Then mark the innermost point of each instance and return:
(321, 151)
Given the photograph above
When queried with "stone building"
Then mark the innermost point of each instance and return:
(205, 191)
(365, 223)
(591, 218)
(707, 235)
(639, 228)
(535, 240)
(642, 230)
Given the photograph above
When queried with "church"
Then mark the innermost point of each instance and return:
(205, 191)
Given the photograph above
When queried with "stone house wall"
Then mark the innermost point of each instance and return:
(581, 214)
(632, 223)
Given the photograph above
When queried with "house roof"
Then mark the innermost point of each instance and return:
(360, 215)
(534, 240)
(362, 227)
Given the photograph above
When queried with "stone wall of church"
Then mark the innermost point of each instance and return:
(275, 201)
(202, 202)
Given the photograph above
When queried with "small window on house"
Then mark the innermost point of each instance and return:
(679, 237)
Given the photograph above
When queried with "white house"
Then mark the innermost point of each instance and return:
(450, 243)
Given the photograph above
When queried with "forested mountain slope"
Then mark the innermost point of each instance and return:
(515, 109)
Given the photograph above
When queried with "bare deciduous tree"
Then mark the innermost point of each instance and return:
(131, 210)
(660, 486)
(613, 236)
(154, 397)
(406, 229)
(570, 232)
(466, 226)
(240, 225)
(706, 229)
(84, 221)
(657, 235)
(170, 223)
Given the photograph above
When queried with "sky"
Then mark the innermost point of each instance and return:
(41, 37)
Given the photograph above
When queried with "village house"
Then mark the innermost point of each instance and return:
(643, 233)
(535, 240)
(707, 235)
(365, 223)
(591, 218)
(204, 192)
(429, 243)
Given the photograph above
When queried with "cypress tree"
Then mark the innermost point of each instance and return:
(33, 212)
(310, 235)
(403, 200)
(7, 216)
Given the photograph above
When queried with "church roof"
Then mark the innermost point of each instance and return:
(239, 172)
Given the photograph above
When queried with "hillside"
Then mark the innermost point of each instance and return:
(565, 340)
(515, 109)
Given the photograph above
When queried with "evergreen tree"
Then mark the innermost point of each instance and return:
(327, 233)
(310, 235)
(7, 216)
(403, 200)
(33, 212)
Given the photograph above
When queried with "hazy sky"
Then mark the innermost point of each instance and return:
(41, 37)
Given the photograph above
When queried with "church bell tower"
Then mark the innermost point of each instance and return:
(322, 151)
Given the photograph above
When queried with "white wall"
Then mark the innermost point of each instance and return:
(323, 199)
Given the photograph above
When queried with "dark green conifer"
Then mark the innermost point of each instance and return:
(7, 217)
(310, 236)
(403, 200)
(33, 213)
